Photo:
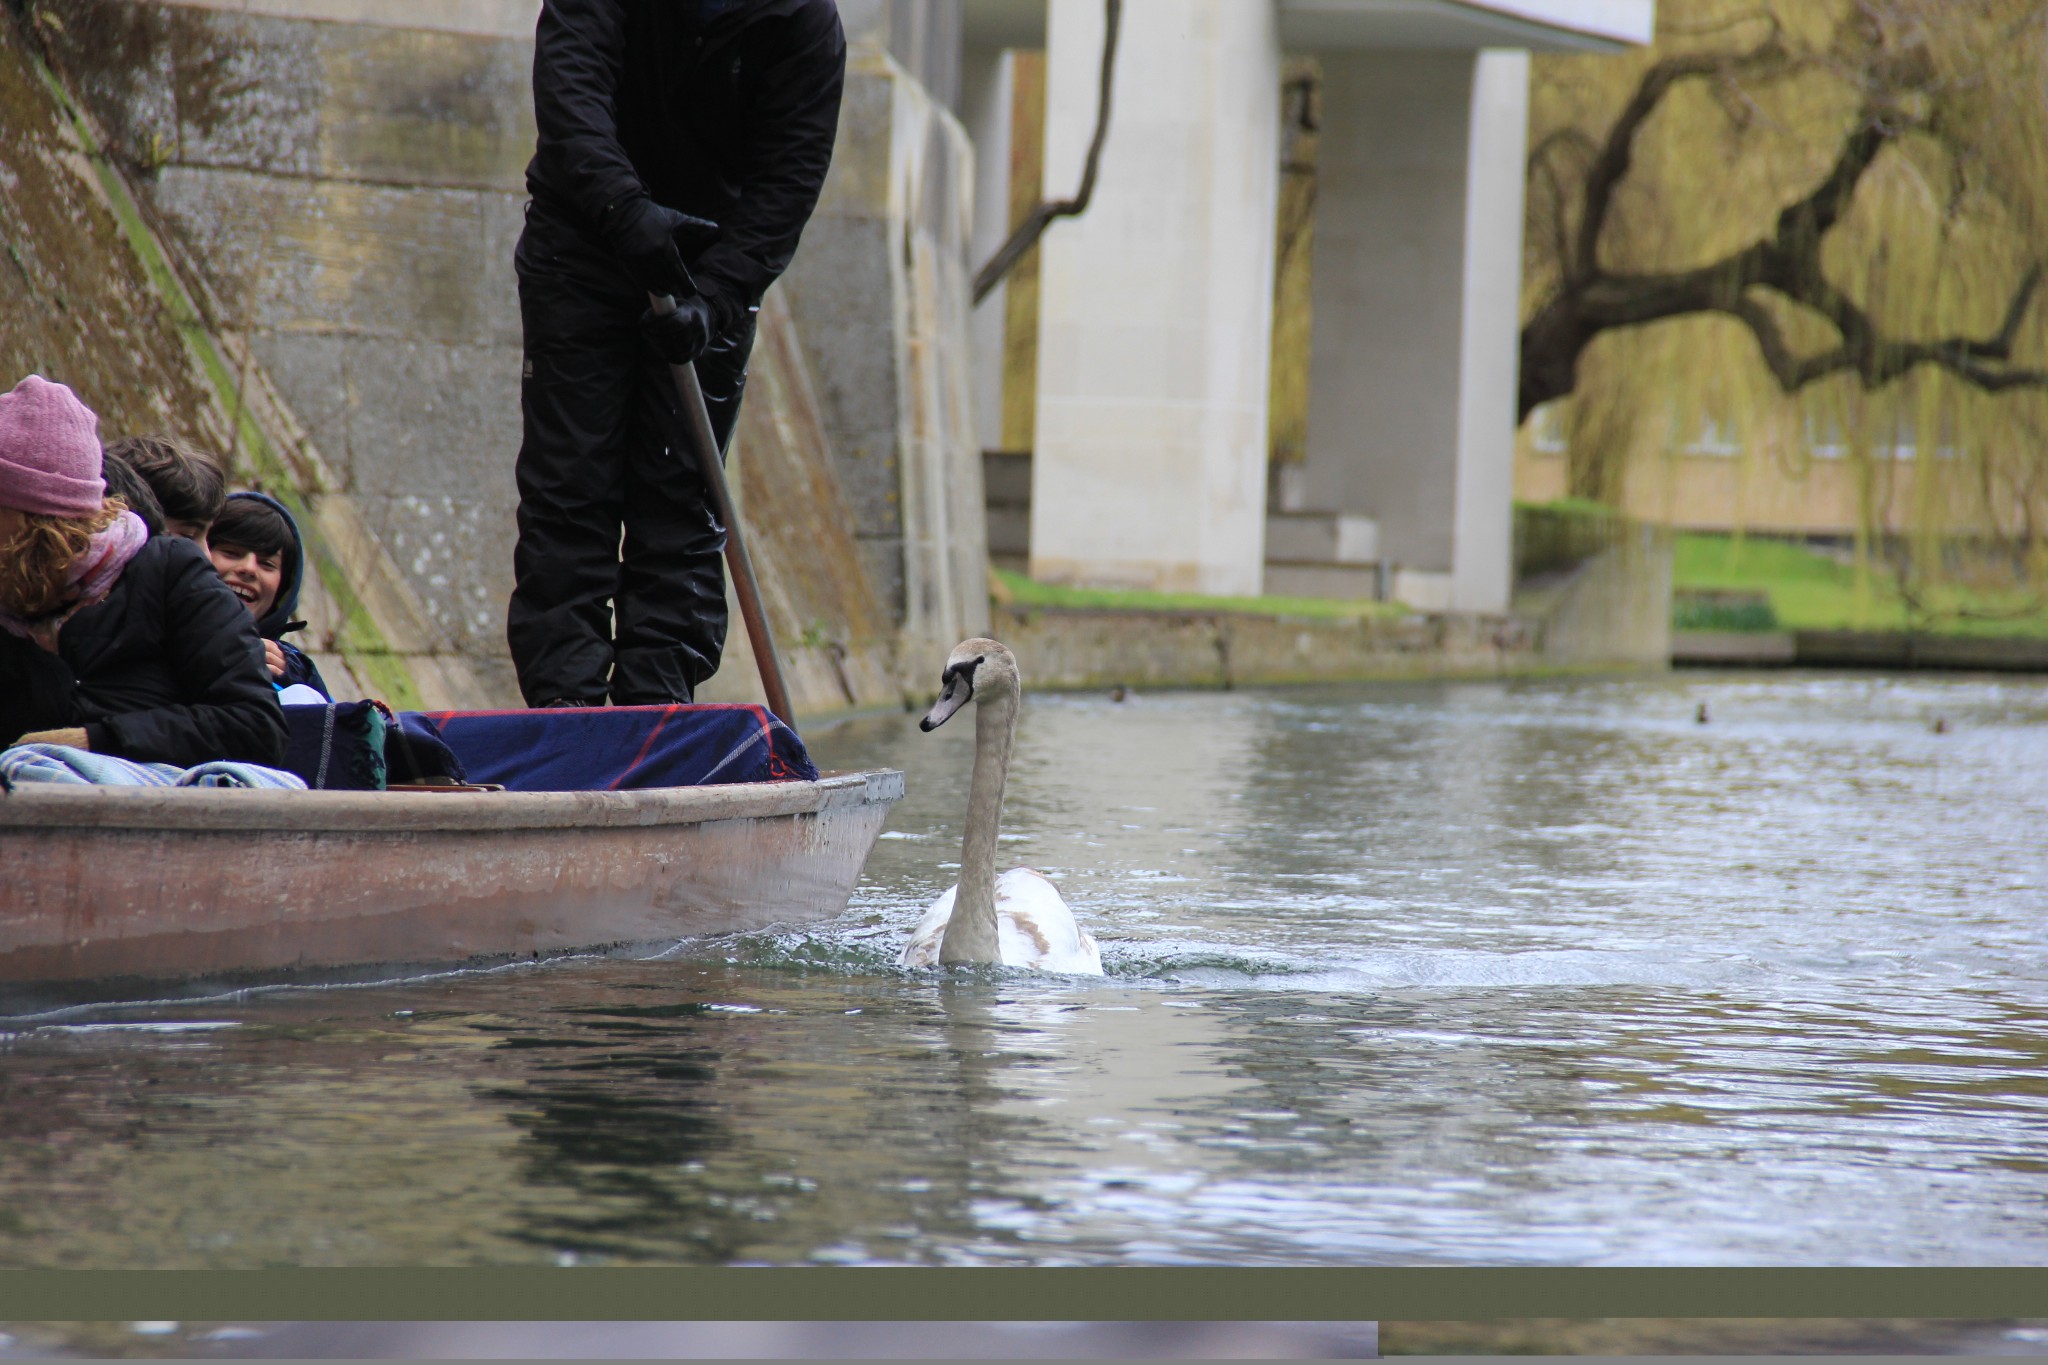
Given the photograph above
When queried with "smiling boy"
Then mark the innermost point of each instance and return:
(253, 575)
(256, 550)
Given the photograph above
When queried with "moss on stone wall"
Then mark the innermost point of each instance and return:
(79, 304)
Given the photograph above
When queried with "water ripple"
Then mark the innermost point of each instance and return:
(1428, 974)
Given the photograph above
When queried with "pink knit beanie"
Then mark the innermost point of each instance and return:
(49, 451)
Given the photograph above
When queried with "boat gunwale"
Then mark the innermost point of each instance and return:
(87, 809)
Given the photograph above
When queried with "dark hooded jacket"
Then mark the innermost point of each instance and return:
(166, 668)
(277, 622)
(725, 109)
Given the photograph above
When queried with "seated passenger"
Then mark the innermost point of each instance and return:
(256, 547)
(127, 485)
(113, 640)
(188, 482)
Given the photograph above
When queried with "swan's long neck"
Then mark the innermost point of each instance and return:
(971, 933)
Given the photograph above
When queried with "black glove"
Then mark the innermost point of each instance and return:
(651, 241)
(679, 337)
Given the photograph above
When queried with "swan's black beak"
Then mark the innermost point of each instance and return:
(955, 692)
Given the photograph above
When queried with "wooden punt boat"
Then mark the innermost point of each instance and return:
(103, 883)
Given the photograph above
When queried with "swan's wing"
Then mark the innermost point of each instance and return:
(923, 948)
(1036, 929)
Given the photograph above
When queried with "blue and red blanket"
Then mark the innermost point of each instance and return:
(623, 748)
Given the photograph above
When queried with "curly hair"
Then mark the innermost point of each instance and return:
(35, 566)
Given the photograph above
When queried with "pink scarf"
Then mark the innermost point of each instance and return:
(91, 577)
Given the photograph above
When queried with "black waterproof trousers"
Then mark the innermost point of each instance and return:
(619, 588)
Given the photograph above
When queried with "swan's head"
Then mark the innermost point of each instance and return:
(974, 670)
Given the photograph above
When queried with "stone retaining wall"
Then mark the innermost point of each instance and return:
(1078, 648)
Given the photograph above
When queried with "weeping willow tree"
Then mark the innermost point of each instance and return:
(1821, 223)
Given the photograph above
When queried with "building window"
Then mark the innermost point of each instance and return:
(1714, 439)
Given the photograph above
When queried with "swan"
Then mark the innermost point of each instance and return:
(1017, 919)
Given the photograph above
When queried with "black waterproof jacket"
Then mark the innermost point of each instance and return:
(167, 668)
(725, 109)
(277, 622)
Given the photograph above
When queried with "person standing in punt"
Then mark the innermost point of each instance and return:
(680, 142)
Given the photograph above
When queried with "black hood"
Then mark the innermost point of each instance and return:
(273, 623)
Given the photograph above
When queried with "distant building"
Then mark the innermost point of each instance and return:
(1792, 476)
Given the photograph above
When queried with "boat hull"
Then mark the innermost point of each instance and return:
(163, 884)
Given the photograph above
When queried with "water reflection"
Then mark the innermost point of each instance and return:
(616, 1108)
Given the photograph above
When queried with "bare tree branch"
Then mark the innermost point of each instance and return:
(1612, 164)
(1668, 29)
(1802, 224)
(1788, 263)
(1033, 226)
(1541, 164)
(1573, 138)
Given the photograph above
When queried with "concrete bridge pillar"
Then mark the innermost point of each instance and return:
(1155, 307)
(987, 92)
(1417, 277)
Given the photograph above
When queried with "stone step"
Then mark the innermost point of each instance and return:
(1332, 537)
(1006, 478)
(1734, 648)
(1323, 578)
(1009, 529)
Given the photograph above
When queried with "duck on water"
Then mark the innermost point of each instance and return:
(1017, 919)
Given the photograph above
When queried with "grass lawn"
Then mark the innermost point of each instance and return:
(1015, 588)
(1810, 591)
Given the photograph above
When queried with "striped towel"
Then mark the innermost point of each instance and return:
(66, 766)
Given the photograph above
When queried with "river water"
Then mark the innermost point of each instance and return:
(1515, 973)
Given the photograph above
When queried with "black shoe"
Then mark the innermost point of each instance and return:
(560, 702)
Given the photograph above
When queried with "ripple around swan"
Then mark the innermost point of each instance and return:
(1454, 970)
(1430, 974)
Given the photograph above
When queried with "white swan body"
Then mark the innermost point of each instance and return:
(1017, 919)
(1034, 928)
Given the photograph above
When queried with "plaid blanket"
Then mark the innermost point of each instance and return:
(66, 766)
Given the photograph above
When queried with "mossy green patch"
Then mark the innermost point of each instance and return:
(1551, 536)
(1572, 507)
(1722, 609)
(1811, 590)
(1028, 592)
